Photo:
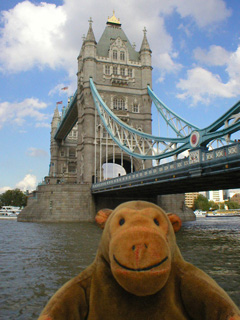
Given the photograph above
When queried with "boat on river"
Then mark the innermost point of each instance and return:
(9, 212)
(200, 213)
(223, 213)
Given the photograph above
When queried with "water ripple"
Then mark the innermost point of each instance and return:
(38, 258)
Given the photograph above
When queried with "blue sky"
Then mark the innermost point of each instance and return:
(195, 53)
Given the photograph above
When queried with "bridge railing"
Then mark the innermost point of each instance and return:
(197, 157)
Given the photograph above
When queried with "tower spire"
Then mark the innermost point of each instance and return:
(90, 34)
(145, 45)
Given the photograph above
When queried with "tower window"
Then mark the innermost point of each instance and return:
(115, 54)
(115, 70)
(118, 104)
(72, 168)
(122, 55)
(122, 72)
(130, 73)
(72, 153)
(107, 69)
(135, 108)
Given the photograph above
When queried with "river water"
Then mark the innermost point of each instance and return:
(38, 258)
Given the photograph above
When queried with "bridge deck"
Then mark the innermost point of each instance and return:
(201, 171)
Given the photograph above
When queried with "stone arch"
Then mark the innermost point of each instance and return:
(118, 159)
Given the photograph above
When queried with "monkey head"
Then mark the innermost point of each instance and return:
(138, 242)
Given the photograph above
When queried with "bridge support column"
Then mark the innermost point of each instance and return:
(60, 202)
(175, 203)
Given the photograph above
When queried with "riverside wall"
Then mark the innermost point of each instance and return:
(56, 203)
(74, 202)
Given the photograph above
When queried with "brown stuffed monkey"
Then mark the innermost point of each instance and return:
(139, 273)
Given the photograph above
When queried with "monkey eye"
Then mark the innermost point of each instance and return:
(156, 221)
(121, 221)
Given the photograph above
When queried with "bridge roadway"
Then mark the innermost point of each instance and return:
(202, 170)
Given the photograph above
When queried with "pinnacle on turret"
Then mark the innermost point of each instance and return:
(56, 113)
(55, 121)
(145, 45)
(90, 35)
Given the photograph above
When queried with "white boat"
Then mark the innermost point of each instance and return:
(9, 212)
(223, 213)
(200, 213)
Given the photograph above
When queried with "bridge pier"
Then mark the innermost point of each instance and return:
(58, 203)
(175, 203)
(75, 203)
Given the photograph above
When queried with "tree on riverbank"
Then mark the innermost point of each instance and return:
(201, 203)
(232, 204)
(13, 198)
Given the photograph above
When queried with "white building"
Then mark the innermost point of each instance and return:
(216, 195)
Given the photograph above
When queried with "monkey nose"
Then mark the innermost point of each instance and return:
(138, 246)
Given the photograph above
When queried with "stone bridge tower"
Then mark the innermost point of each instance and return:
(121, 75)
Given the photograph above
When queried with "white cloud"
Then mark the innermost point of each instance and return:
(216, 56)
(167, 65)
(17, 112)
(50, 35)
(203, 12)
(4, 189)
(201, 85)
(37, 153)
(29, 182)
(32, 35)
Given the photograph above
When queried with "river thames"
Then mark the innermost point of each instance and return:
(38, 258)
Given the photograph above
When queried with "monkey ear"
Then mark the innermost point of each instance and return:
(102, 216)
(175, 221)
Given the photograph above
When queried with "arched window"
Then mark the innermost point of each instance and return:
(122, 72)
(107, 69)
(118, 104)
(135, 108)
(115, 54)
(115, 70)
(115, 103)
(121, 104)
(122, 55)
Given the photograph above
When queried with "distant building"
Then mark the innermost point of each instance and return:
(189, 198)
(215, 195)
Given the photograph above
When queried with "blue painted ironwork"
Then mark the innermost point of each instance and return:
(192, 165)
(134, 142)
(177, 123)
(149, 147)
(66, 112)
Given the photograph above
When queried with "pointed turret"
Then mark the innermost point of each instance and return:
(54, 145)
(55, 121)
(90, 35)
(88, 53)
(145, 45)
(146, 60)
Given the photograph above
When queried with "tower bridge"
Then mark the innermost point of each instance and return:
(108, 120)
